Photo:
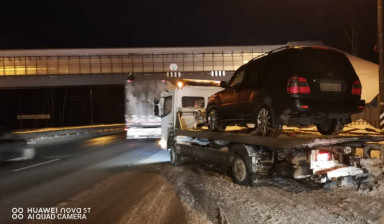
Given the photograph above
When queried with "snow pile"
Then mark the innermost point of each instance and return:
(362, 124)
(376, 169)
(361, 127)
(374, 166)
(355, 128)
(209, 196)
(376, 190)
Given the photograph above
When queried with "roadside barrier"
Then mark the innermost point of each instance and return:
(69, 132)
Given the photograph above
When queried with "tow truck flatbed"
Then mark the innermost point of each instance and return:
(282, 141)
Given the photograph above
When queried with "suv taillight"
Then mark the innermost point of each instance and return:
(356, 88)
(298, 85)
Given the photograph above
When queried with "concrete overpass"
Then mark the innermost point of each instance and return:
(63, 67)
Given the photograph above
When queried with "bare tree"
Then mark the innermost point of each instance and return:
(351, 25)
(352, 34)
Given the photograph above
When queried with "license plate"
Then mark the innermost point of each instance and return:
(330, 87)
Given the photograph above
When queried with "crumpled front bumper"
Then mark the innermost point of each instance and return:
(339, 172)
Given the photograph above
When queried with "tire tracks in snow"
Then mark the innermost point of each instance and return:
(311, 213)
(222, 201)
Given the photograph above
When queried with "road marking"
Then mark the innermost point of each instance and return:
(39, 164)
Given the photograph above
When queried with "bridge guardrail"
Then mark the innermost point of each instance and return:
(70, 133)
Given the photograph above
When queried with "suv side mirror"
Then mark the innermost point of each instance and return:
(223, 84)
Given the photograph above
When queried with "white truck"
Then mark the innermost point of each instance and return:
(140, 121)
(252, 159)
(182, 106)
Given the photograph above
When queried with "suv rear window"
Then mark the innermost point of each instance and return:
(321, 62)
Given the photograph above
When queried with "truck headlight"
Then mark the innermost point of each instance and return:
(163, 143)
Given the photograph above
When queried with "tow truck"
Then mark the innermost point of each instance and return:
(253, 159)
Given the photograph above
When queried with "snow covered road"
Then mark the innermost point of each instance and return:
(195, 193)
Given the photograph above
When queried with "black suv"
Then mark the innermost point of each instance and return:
(294, 86)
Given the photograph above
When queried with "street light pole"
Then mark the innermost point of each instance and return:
(380, 31)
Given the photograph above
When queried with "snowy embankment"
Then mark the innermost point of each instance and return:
(209, 196)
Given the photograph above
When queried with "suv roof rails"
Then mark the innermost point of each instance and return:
(287, 46)
(272, 51)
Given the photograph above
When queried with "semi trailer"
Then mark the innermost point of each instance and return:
(140, 121)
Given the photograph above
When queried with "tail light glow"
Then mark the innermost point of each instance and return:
(297, 85)
(356, 88)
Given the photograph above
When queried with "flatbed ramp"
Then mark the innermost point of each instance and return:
(282, 141)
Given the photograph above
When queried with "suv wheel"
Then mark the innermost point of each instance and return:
(264, 121)
(330, 126)
(213, 121)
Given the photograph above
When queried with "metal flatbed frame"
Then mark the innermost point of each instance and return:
(282, 142)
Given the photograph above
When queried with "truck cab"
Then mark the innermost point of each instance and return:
(183, 105)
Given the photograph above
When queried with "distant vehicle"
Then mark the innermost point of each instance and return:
(294, 86)
(140, 120)
(15, 150)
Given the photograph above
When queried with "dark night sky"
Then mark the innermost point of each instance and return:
(151, 23)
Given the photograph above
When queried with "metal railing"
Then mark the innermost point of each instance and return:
(96, 130)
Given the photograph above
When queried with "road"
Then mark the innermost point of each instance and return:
(60, 171)
(119, 181)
